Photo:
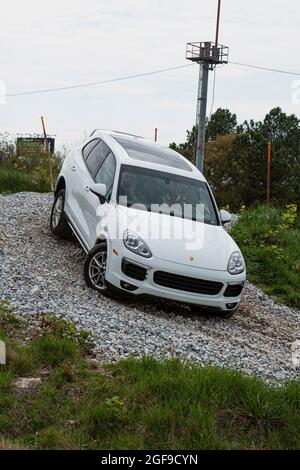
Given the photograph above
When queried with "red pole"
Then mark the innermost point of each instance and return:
(48, 153)
(155, 134)
(218, 22)
(269, 173)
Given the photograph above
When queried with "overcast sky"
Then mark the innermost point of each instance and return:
(66, 42)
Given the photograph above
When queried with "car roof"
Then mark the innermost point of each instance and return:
(136, 150)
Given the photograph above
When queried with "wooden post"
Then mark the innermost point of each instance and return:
(269, 173)
(48, 153)
(155, 134)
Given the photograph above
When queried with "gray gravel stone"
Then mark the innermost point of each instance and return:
(257, 340)
(26, 383)
(35, 291)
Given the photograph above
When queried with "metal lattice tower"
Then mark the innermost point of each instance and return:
(208, 55)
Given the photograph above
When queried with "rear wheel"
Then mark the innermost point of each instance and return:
(95, 266)
(58, 221)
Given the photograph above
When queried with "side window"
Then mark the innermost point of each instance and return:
(97, 156)
(87, 149)
(106, 173)
(103, 150)
(92, 161)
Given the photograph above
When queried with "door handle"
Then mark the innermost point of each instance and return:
(73, 168)
(87, 189)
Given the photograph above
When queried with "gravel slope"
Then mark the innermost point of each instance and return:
(39, 273)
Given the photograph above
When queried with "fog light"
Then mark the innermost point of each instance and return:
(231, 306)
(127, 286)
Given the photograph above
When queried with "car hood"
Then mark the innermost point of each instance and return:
(180, 240)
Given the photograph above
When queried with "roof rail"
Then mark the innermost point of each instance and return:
(116, 132)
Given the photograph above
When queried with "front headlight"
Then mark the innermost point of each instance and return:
(236, 263)
(136, 244)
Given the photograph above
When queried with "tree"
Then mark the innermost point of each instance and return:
(188, 148)
(220, 169)
(236, 162)
(222, 122)
(283, 132)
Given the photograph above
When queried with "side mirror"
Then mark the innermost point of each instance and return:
(225, 216)
(99, 190)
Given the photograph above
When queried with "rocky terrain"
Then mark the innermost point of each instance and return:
(39, 273)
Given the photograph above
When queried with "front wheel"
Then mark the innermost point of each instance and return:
(95, 266)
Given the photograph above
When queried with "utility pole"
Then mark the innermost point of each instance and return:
(201, 114)
(208, 55)
(155, 134)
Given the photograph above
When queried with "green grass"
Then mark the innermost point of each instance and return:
(135, 404)
(270, 241)
(13, 181)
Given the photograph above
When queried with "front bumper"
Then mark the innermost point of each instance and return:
(116, 277)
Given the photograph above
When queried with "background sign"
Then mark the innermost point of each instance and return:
(31, 146)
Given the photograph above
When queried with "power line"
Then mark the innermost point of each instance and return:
(257, 67)
(85, 85)
(265, 68)
(130, 77)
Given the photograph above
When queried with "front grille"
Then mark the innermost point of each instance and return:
(133, 270)
(188, 284)
(233, 290)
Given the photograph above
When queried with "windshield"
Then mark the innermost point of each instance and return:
(166, 193)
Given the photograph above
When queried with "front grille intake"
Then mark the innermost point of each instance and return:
(188, 284)
(233, 290)
(133, 270)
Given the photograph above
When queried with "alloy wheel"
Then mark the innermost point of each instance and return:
(97, 270)
(57, 211)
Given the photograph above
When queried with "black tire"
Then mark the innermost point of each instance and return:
(58, 221)
(95, 269)
(225, 314)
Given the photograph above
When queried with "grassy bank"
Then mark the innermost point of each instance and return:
(28, 173)
(270, 241)
(13, 181)
(134, 404)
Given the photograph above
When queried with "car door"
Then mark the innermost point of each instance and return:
(78, 183)
(100, 167)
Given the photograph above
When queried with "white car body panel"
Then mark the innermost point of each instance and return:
(214, 243)
(208, 261)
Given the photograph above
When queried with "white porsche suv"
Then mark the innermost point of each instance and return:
(148, 222)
